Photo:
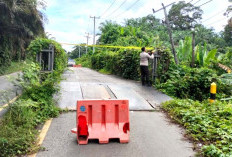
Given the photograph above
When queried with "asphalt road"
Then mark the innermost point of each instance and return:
(7, 89)
(151, 133)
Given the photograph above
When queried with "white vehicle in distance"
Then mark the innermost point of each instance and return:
(71, 62)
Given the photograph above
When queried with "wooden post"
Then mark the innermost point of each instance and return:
(170, 34)
(193, 49)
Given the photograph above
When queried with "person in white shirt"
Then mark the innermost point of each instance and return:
(144, 56)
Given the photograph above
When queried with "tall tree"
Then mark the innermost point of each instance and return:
(228, 35)
(20, 22)
(227, 13)
(110, 32)
(229, 9)
(148, 23)
(184, 16)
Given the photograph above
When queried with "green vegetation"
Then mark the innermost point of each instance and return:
(15, 67)
(180, 81)
(75, 53)
(206, 124)
(20, 24)
(18, 134)
(184, 16)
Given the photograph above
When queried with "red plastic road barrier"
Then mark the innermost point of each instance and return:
(77, 66)
(103, 120)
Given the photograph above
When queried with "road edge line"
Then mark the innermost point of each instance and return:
(11, 101)
(43, 134)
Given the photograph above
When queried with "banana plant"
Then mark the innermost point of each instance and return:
(184, 50)
(202, 56)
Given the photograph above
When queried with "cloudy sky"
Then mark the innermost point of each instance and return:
(69, 20)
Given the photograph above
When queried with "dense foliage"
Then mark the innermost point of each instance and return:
(192, 83)
(227, 35)
(175, 80)
(122, 63)
(18, 134)
(184, 16)
(42, 43)
(20, 22)
(207, 124)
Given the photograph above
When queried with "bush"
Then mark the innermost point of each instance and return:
(192, 83)
(209, 124)
(18, 134)
(84, 61)
(60, 62)
(122, 63)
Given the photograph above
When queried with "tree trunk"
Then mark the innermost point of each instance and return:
(193, 50)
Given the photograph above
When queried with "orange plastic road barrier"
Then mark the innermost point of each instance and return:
(77, 66)
(102, 120)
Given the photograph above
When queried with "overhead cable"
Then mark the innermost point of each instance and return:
(108, 8)
(128, 8)
(218, 13)
(205, 3)
(196, 2)
(190, 1)
(118, 8)
(215, 22)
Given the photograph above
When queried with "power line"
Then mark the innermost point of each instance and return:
(108, 8)
(118, 7)
(205, 3)
(128, 8)
(218, 13)
(215, 22)
(190, 1)
(196, 2)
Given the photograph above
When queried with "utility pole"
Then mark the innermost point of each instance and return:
(94, 21)
(79, 52)
(193, 49)
(170, 33)
(169, 29)
(87, 36)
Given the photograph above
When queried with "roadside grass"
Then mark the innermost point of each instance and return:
(209, 125)
(104, 71)
(18, 133)
(14, 67)
(18, 127)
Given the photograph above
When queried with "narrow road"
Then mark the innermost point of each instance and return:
(151, 133)
(7, 89)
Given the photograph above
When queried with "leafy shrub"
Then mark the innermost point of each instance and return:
(209, 124)
(39, 44)
(84, 61)
(18, 133)
(122, 63)
(184, 82)
(18, 127)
